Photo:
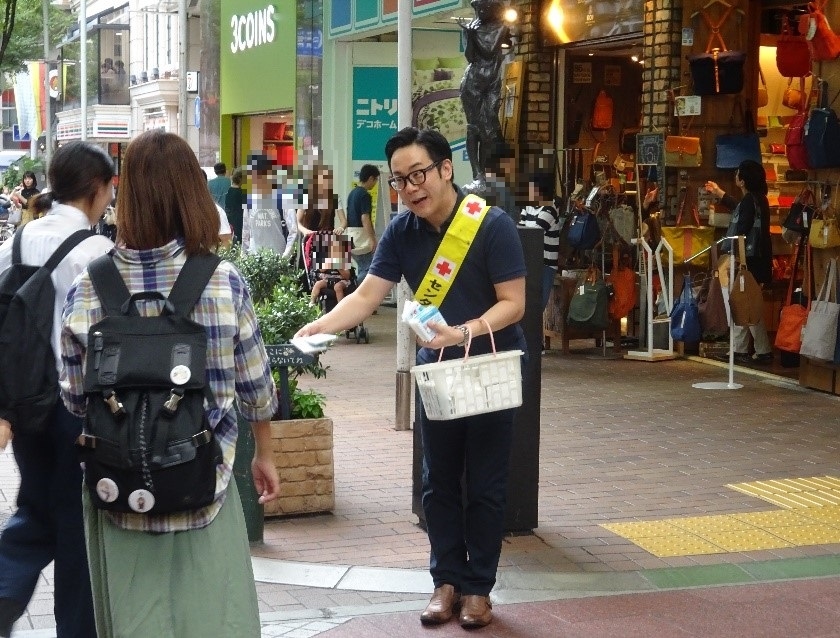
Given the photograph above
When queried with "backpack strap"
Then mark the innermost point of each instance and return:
(66, 246)
(109, 284)
(191, 281)
(60, 253)
(16, 240)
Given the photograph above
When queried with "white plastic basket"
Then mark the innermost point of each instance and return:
(473, 385)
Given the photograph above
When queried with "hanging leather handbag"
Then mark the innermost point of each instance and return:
(682, 151)
(602, 112)
(824, 43)
(583, 231)
(819, 337)
(714, 320)
(622, 280)
(762, 97)
(746, 299)
(793, 315)
(687, 241)
(733, 148)
(793, 56)
(589, 306)
(822, 135)
(824, 233)
(793, 98)
(801, 211)
(685, 316)
(795, 151)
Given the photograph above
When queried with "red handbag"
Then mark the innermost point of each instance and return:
(602, 112)
(793, 315)
(797, 154)
(824, 43)
(793, 57)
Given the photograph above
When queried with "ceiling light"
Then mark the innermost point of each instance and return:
(634, 57)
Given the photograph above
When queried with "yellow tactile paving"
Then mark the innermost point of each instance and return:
(829, 514)
(703, 525)
(814, 491)
(813, 534)
(774, 518)
(747, 540)
(677, 545)
(642, 528)
(811, 516)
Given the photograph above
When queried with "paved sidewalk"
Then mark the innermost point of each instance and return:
(621, 441)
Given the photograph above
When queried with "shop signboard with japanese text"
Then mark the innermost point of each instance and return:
(374, 116)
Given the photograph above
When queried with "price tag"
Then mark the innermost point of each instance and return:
(582, 288)
(687, 36)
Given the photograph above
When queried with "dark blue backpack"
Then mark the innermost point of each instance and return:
(685, 315)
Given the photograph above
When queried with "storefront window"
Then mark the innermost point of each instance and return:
(309, 71)
(107, 65)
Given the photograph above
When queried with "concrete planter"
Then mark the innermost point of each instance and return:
(303, 454)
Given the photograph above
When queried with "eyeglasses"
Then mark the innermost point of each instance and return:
(415, 178)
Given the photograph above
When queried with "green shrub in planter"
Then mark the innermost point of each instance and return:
(282, 308)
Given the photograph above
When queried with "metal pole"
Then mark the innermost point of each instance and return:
(405, 350)
(83, 70)
(182, 64)
(45, 7)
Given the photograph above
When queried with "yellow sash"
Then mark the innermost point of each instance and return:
(452, 251)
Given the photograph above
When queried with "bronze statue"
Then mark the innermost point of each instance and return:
(482, 82)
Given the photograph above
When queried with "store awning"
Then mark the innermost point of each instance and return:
(7, 158)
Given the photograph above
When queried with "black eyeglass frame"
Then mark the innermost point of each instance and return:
(415, 178)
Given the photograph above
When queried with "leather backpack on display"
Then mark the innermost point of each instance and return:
(794, 314)
(589, 306)
(622, 280)
(602, 112)
(718, 71)
(822, 135)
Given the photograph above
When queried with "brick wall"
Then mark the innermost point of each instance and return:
(303, 455)
(536, 119)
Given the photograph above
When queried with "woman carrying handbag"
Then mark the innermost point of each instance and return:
(751, 218)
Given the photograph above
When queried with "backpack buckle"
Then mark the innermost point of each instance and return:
(171, 404)
(117, 408)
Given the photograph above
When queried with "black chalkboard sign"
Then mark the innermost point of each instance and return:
(285, 355)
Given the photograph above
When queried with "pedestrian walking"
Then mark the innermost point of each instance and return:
(47, 525)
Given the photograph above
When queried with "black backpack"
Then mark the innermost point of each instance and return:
(29, 383)
(147, 444)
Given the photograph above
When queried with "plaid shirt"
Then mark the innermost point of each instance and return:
(237, 365)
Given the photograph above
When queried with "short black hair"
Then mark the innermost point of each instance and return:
(366, 172)
(219, 168)
(499, 151)
(755, 179)
(433, 141)
(260, 163)
(544, 181)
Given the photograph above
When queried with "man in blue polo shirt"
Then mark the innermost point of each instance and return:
(465, 538)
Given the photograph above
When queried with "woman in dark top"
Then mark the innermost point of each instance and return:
(235, 200)
(751, 218)
(22, 194)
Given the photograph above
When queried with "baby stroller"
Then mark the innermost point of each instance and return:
(329, 269)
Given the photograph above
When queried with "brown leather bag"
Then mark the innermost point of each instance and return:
(683, 151)
(713, 316)
(745, 296)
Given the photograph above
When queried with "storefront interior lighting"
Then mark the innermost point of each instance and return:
(511, 15)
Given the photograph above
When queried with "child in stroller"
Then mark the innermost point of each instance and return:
(330, 273)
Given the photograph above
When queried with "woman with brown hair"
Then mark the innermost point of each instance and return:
(188, 572)
(324, 210)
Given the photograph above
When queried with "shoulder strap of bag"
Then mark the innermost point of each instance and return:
(109, 284)
(16, 240)
(742, 252)
(66, 246)
(191, 282)
(714, 28)
(445, 264)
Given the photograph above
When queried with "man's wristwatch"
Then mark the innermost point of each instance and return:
(466, 335)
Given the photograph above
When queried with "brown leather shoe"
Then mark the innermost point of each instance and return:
(441, 606)
(475, 611)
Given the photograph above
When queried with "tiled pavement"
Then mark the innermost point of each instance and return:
(620, 441)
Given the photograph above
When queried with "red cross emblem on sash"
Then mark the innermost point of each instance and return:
(472, 208)
(444, 268)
